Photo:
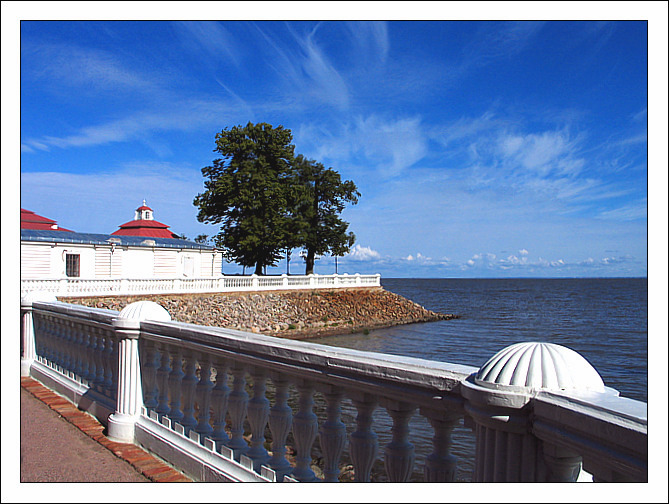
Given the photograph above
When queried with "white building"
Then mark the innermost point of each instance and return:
(53, 253)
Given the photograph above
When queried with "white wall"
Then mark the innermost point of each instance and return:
(47, 260)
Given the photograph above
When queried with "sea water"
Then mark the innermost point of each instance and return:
(605, 320)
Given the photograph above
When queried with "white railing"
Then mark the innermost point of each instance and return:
(128, 286)
(209, 399)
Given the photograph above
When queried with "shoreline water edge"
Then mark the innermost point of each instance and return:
(297, 315)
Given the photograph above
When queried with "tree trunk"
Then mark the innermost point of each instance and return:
(258, 270)
(311, 258)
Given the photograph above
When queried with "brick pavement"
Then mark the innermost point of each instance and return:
(64, 465)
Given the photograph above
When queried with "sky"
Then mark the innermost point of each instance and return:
(480, 148)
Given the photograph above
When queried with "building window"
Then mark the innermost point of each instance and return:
(72, 265)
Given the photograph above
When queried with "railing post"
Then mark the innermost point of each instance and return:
(28, 354)
(122, 422)
(499, 399)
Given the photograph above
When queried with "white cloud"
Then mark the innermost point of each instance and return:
(523, 252)
(359, 253)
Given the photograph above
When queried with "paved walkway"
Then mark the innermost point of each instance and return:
(60, 443)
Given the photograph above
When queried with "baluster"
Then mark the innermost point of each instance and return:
(150, 362)
(57, 352)
(332, 435)
(174, 380)
(219, 397)
(364, 441)
(50, 340)
(39, 344)
(79, 351)
(258, 415)
(280, 422)
(66, 358)
(71, 348)
(100, 360)
(110, 363)
(399, 453)
(203, 395)
(188, 385)
(237, 405)
(162, 377)
(305, 430)
(563, 465)
(89, 346)
(440, 465)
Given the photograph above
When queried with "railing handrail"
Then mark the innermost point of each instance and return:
(325, 363)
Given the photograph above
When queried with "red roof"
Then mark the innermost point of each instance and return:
(149, 228)
(30, 220)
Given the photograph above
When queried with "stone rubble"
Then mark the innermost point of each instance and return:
(287, 314)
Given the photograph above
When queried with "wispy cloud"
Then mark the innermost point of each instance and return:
(182, 116)
(305, 69)
(370, 39)
(84, 68)
(212, 37)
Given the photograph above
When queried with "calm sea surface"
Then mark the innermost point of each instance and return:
(605, 320)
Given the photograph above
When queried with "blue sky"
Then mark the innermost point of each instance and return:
(481, 149)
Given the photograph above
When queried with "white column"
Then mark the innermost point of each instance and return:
(500, 399)
(128, 395)
(121, 426)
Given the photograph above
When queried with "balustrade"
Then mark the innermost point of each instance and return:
(124, 286)
(314, 398)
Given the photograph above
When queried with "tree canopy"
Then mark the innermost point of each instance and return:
(268, 201)
(246, 191)
(320, 197)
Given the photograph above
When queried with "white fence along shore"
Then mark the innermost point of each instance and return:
(73, 287)
(539, 412)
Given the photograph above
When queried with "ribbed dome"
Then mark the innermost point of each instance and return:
(145, 310)
(540, 366)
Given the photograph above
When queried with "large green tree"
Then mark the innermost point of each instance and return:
(320, 197)
(247, 191)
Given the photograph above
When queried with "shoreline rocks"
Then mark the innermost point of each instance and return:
(295, 314)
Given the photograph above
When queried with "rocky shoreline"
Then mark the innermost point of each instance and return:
(285, 314)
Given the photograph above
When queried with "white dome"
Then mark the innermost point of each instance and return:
(145, 310)
(32, 296)
(540, 366)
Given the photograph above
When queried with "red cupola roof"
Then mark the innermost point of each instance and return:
(30, 220)
(145, 225)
